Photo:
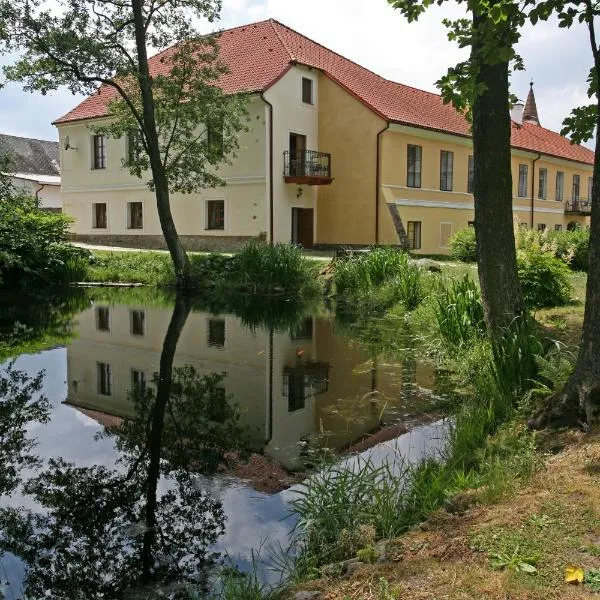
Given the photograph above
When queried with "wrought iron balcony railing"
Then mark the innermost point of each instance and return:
(578, 207)
(307, 166)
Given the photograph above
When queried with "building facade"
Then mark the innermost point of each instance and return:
(34, 168)
(334, 155)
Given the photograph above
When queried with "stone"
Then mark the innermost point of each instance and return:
(427, 265)
(354, 567)
(307, 596)
(381, 549)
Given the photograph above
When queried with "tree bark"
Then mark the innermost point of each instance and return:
(179, 317)
(179, 256)
(579, 401)
(494, 226)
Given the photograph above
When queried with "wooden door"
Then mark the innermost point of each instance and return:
(302, 227)
(297, 154)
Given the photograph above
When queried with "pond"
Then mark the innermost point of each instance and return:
(160, 434)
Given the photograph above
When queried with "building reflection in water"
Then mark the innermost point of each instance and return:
(291, 386)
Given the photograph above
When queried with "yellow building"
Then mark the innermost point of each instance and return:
(335, 155)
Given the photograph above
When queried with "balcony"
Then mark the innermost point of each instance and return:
(307, 167)
(578, 207)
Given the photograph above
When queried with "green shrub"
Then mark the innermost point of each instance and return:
(462, 245)
(34, 246)
(544, 279)
(386, 271)
(572, 247)
(262, 268)
(458, 312)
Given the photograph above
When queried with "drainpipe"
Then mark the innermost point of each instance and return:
(533, 185)
(271, 202)
(378, 181)
(42, 186)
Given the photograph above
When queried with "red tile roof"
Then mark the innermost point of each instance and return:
(259, 54)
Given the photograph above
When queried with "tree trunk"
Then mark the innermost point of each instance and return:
(179, 256)
(579, 401)
(494, 227)
(163, 394)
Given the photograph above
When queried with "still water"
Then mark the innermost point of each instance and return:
(164, 434)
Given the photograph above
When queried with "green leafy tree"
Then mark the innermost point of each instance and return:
(579, 401)
(479, 87)
(179, 123)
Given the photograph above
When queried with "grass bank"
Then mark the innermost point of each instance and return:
(518, 548)
(489, 454)
(257, 268)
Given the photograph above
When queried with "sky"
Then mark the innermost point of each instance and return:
(372, 34)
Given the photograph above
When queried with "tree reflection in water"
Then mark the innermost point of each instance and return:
(143, 529)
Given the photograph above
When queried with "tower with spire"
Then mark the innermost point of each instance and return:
(530, 113)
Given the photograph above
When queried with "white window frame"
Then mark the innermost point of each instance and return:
(543, 191)
(312, 90)
(96, 320)
(127, 216)
(138, 335)
(93, 166)
(561, 188)
(93, 214)
(207, 229)
(111, 386)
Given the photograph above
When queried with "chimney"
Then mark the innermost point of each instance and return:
(530, 113)
(516, 113)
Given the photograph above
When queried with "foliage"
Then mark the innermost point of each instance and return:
(381, 270)
(34, 246)
(29, 324)
(257, 268)
(214, 435)
(21, 404)
(462, 245)
(261, 267)
(544, 279)
(458, 312)
(180, 125)
(572, 247)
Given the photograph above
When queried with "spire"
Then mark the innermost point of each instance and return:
(530, 113)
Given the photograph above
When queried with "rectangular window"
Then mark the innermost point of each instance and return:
(99, 220)
(137, 322)
(215, 214)
(543, 184)
(307, 90)
(471, 175)
(523, 172)
(558, 227)
(414, 165)
(99, 152)
(135, 215)
(216, 333)
(542, 227)
(471, 223)
(523, 226)
(576, 187)
(560, 186)
(590, 185)
(138, 381)
(217, 405)
(413, 232)
(104, 379)
(445, 234)
(446, 170)
(102, 318)
(134, 146)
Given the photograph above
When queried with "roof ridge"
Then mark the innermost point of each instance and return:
(272, 22)
(564, 137)
(275, 21)
(22, 137)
